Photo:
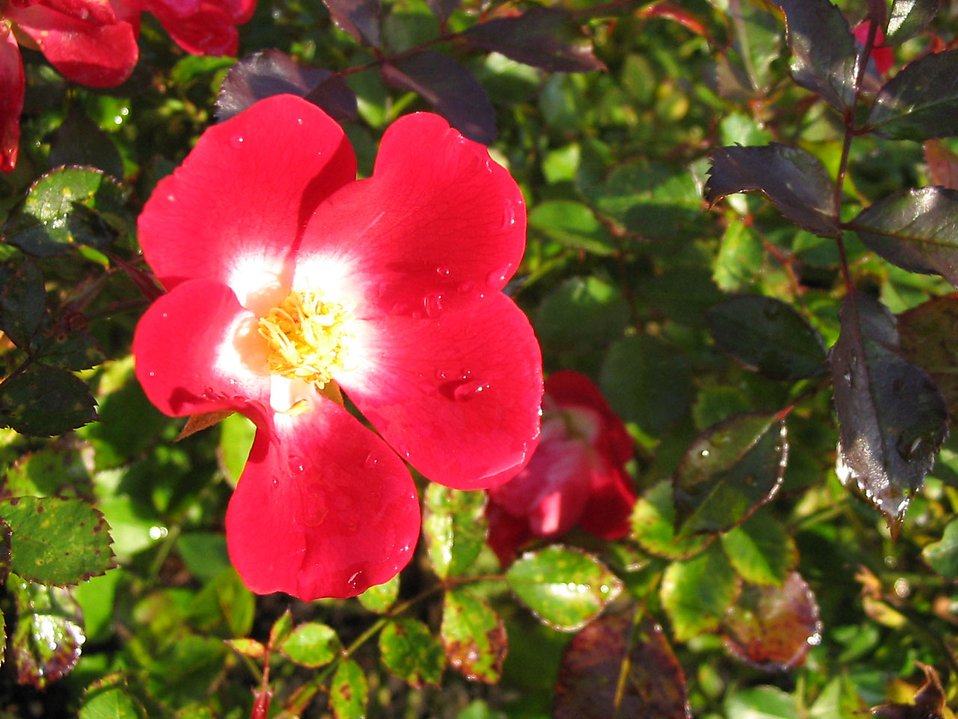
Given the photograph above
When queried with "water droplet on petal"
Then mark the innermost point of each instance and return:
(372, 461)
(236, 141)
(443, 271)
(299, 121)
(353, 581)
(497, 278)
(433, 304)
(297, 465)
(508, 216)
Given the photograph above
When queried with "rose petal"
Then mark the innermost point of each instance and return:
(191, 357)
(11, 97)
(206, 30)
(254, 180)
(97, 11)
(506, 533)
(610, 504)
(323, 509)
(457, 395)
(438, 223)
(87, 52)
(572, 389)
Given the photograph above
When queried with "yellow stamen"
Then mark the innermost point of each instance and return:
(307, 338)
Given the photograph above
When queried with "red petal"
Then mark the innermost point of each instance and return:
(573, 389)
(607, 512)
(324, 508)
(11, 97)
(506, 533)
(439, 222)
(234, 209)
(87, 52)
(208, 30)
(457, 395)
(187, 358)
(99, 12)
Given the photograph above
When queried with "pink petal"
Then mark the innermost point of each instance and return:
(457, 395)
(207, 30)
(234, 209)
(323, 509)
(437, 224)
(190, 357)
(11, 97)
(85, 51)
(573, 389)
(100, 12)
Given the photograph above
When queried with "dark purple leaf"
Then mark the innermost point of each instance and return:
(272, 72)
(773, 628)
(908, 18)
(449, 88)
(768, 336)
(442, 9)
(795, 181)
(44, 401)
(929, 701)
(549, 38)
(588, 683)
(22, 301)
(921, 101)
(928, 340)
(892, 418)
(45, 644)
(915, 229)
(824, 57)
(360, 18)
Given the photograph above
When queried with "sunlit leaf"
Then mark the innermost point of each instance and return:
(247, 648)
(593, 665)
(653, 525)
(909, 18)
(942, 556)
(6, 535)
(929, 700)
(109, 698)
(740, 257)
(455, 528)
(696, 593)
(311, 644)
(571, 224)
(224, 607)
(473, 636)
(412, 653)
(760, 550)
(921, 101)
(762, 702)
(379, 598)
(348, 691)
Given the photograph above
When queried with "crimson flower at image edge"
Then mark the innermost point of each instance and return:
(94, 43)
(291, 283)
(576, 477)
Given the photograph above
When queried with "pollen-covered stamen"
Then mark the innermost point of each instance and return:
(308, 338)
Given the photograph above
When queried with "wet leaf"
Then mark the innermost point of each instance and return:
(773, 628)
(454, 527)
(653, 525)
(794, 180)
(451, 90)
(360, 18)
(46, 642)
(595, 660)
(348, 690)
(565, 588)
(22, 302)
(473, 636)
(908, 18)
(44, 401)
(760, 550)
(942, 164)
(921, 101)
(929, 700)
(57, 541)
(824, 58)
(729, 471)
(109, 698)
(929, 339)
(768, 336)
(915, 229)
(380, 597)
(545, 37)
(892, 419)
(311, 644)
(942, 556)
(412, 653)
(696, 593)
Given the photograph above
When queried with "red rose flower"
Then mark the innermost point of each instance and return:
(202, 27)
(882, 55)
(575, 478)
(290, 281)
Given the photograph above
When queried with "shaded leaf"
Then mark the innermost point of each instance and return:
(729, 471)
(760, 550)
(22, 302)
(744, 69)
(6, 536)
(942, 164)
(653, 525)
(442, 9)
(473, 636)
(908, 18)
(224, 607)
(740, 257)
(773, 628)
(794, 180)
(581, 314)
(824, 57)
(311, 644)
(360, 18)
(455, 528)
(929, 700)
(921, 101)
(892, 419)
(571, 224)
(594, 661)
(545, 37)
(928, 340)
(915, 229)
(80, 141)
(768, 336)
(696, 593)
(379, 598)
(348, 691)
(108, 698)
(564, 588)
(45, 645)
(56, 541)
(942, 556)
(412, 653)
(44, 401)
(451, 90)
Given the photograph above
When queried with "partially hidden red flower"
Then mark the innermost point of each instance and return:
(882, 55)
(289, 282)
(576, 477)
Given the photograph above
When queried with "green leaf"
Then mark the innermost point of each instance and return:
(380, 597)
(744, 70)
(794, 180)
(760, 550)
(921, 101)
(56, 469)
(653, 525)
(564, 588)
(581, 315)
(412, 653)
(46, 641)
(348, 690)
(729, 471)
(763, 702)
(22, 302)
(571, 224)
(696, 593)
(740, 257)
(915, 229)
(57, 541)
(224, 607)
(942, 556)
(908, 18)
(44, 401)
(311, 645)
(203, 553)
(97, 598)
(281, 629)
(6, 537)
(473, 636)
(455, 529)
(768, 336)
(108, 698)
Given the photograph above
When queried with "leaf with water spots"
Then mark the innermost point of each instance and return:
(348, 691)
(455, 529)
(473, 636)
(411, 652)
(44, 401)
(653, 525)
(892, 418)
(696, 593)
(564, 588)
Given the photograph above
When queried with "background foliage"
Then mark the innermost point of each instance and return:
(764, 348)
